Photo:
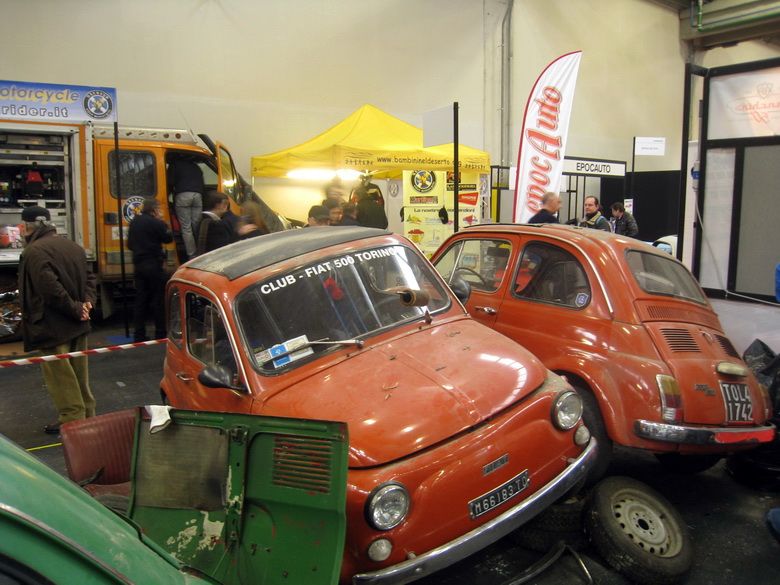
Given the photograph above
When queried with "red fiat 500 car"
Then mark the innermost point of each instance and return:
(458, 435)
(627, 325)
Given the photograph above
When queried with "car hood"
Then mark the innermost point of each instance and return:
(404, 395)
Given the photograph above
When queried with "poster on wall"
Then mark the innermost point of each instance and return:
(744, 105)
(429, 206)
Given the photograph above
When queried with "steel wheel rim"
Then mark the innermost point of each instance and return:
(646, 523)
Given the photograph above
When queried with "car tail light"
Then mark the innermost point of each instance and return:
(768, 406)
(671, 399)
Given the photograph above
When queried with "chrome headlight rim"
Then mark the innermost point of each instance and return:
(380, 494)
(562, 416)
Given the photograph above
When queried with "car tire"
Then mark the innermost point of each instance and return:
(757, 468)
(591, 414)
(560, 521)
(687, 464)
(638, 531)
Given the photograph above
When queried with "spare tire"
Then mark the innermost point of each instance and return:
(638, 531)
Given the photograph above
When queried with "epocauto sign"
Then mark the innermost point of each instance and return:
(48, 102)
(602, 168)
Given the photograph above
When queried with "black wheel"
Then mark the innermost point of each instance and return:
(591, 414)
(687, 464)
(561, 521)
(757, 468)
(638, 531)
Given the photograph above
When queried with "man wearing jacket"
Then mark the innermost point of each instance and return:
(57, 290)
(593, 217)
(625, 224)
(145, 237)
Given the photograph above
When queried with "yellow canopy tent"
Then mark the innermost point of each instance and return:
(370, 140)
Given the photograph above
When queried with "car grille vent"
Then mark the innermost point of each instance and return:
(727, 346)
(679, 340)
(662, 313)
(303, 463)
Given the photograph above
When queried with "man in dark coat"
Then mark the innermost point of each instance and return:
(551, 203)
(213, 232)
(369, 212)
(147, 233)
(57, 289)
(625, 224)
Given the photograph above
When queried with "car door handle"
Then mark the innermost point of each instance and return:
(183, 377)
(488, 310)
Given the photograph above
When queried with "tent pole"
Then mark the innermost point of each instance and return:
(456, 163)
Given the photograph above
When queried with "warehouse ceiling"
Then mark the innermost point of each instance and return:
(717, 23)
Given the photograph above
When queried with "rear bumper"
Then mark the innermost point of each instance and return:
(488, 533)
(704, 435)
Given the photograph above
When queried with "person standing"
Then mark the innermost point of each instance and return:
(349, 216)
(593, 217)
(147, 233)
(187, 184)
(551, 203)
(213, 232)
(57, 290)
(625, 224)
(369, 212)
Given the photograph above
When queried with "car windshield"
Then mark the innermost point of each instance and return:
(659, 275)
(340, 300)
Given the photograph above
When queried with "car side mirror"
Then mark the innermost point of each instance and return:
(218, 376)
(461, 289)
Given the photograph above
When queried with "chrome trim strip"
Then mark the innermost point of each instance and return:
(486, 534)
(702, 435)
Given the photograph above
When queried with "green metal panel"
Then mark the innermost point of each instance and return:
(251, 500)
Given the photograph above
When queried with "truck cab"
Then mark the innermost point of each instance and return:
(71, 170)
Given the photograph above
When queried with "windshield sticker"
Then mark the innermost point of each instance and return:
(326, 268)
(582, 299)
(286, 351)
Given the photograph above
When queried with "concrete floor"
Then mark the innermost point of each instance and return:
(732, 545)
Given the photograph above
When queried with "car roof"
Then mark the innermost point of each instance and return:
(252, 254)
(586, 238)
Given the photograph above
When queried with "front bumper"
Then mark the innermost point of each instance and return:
(486, 534)
(704, 435)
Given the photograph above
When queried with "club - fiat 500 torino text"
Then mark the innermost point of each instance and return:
(457, 434)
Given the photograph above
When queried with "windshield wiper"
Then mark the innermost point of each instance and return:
(325, 341)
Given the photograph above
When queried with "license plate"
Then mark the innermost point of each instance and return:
(739, 406)
(494, 498)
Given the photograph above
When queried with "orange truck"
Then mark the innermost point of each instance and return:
(70, 169)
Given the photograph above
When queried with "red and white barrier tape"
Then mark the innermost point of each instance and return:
(64, 356)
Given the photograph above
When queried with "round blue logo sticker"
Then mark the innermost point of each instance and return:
(132, 207)
(423, 181)
(98, 104)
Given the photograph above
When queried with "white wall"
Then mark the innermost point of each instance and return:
(259, 75)
(264, 75)
(631, 75)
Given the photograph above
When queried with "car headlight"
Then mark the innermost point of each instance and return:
(567, 410)
(387, 506)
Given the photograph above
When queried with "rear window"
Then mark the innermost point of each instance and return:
(658, 275)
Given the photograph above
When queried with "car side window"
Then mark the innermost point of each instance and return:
(207, 338)
(480, 262)
(174, 317)
(550, 274)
